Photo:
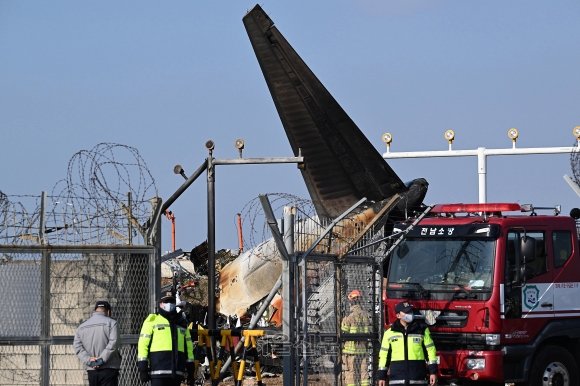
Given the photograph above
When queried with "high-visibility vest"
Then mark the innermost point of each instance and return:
(165, 348)
(402, 351)
(357, 322)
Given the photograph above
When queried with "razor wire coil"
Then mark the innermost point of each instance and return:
(104, 199)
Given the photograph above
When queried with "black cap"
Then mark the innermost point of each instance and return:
(167, 297)
(404, 307)
(103, 304)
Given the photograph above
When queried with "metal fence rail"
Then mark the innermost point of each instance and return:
(49, 291)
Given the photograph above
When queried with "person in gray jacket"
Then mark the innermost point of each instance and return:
(97, 343)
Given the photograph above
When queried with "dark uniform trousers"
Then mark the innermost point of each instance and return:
(103, 377)
(165, 382)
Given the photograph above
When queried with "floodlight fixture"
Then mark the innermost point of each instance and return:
(239, 144)
(179, 170)
(449, 136)
(387, 139)
(210, 145)
(513, 133)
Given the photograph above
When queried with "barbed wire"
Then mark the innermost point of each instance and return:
(254, 225)
(308, 227)
(15, 220)
(103, 200)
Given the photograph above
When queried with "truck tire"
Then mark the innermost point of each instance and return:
(554, 366)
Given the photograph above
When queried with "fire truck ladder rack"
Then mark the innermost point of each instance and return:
(530, 208)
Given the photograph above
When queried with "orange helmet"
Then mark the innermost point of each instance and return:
(354, 295)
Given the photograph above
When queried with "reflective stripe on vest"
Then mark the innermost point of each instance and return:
(161, 372)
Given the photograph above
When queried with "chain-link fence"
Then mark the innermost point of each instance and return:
(49, 291)
(340, 323)
(333, 337)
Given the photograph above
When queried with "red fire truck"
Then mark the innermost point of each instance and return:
(499, 290)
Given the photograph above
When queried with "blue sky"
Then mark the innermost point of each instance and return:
(164, 77)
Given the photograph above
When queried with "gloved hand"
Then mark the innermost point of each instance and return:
(144, 376)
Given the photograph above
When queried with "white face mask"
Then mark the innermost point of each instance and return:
(408, 318)
(168, 307)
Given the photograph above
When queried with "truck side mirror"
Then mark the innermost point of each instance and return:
(528, 249)
(402, 250)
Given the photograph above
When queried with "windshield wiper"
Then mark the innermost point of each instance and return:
(464, 294)
(423, 293)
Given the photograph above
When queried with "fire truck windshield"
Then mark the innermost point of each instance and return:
(441, 265)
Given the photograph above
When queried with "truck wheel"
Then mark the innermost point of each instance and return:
(554, 366)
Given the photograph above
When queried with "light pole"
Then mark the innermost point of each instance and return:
(481, 152)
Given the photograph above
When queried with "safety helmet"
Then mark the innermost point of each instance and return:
(354, 295)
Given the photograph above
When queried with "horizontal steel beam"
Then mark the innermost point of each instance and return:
(245, 161)
(55, 340)
(76, 249)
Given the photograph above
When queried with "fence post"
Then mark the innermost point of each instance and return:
(288, 330)
(154, 235)
(130, 218)
(45, 318)
(42, 222)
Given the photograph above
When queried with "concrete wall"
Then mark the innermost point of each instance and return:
(20, 365)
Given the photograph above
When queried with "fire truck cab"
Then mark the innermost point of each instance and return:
(499, 290)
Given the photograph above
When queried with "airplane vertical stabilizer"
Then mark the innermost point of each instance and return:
(341, 165)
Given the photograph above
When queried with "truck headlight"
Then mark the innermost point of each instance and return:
(492, 339)
(476, 364)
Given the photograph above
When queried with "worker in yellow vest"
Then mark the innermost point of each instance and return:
(165, 349)
(355, 353)
(402, 357)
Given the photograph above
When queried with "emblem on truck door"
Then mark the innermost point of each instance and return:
(531, 296)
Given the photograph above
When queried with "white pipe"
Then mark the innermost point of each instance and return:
(466, 153)
(482, 171)
(531, 150)
(482, 153)
(428, 154)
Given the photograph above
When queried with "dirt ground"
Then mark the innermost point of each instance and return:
(277, 380)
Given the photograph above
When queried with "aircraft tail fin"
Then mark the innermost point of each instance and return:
(341, 165)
